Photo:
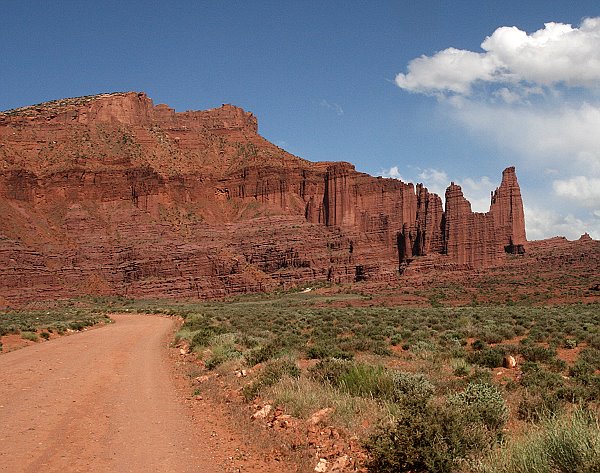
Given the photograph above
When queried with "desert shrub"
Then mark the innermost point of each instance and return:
(45, 335)
(558, 365)
(594, 341)
(490, 336)
(366, 380)
(561, 444)
(581, 369)
(537, 406)
(578, 394)
(425, 350)
(460, 367)
(77, 325)
(591, 356)
(262, 353)
(538, 378)
(272, 372)
(484, 403)
(31, 336)
(222, 349)
(60, 328)
(321, 351)
(536, 353)
(487, 357)
(453, 338)
(203, 334)
(424, 437)
(410, 386)
(479, 375)
(330, 370)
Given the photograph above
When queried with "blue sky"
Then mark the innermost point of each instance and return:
(323, 80)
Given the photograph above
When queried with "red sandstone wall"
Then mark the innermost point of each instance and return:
(111, 194)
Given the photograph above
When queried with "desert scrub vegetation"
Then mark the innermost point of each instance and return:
(429, 434)
(560, 444)
(388, 372)
(58, 320)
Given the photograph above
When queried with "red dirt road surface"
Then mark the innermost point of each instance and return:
(98, 401)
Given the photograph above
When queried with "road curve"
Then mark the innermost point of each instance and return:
(99, 401)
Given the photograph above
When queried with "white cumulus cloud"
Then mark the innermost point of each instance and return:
(582, 189)
(393, 172)
(556, 54)
(544, 223)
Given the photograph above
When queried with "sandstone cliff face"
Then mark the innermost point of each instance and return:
(110, 194)
(507, 211)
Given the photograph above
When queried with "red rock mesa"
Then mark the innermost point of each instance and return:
(109, 194)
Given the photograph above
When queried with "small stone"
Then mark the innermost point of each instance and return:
(319, 416)
(340, 463)
(509, 362)
(262, 413)
(321, 466)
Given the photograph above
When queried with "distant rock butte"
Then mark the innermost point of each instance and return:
(109, 194)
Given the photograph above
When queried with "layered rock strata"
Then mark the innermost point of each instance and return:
(110, 194)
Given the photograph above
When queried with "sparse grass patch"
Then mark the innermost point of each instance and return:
(31, 336)
(302, 396)
(564, 444)
(271, 373)
(55, 319)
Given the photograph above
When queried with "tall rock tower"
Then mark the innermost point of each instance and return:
(507, 211)
(481, 239)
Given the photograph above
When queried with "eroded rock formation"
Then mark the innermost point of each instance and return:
(110, 194)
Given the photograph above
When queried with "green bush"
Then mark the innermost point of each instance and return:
(417, 441)
(424, 438)
(321, 351)
(537, 406)
(540, 379)
(31, 336)
(536, 353)
(563, 444)
(484, 403)
(487, 357)
(262, 353)
(366, 380)
(204, 334)
(77, 325)
(591, 356)
(581, 369)
(410, 386)
(272, 372)
(222, 348)
(330, 370)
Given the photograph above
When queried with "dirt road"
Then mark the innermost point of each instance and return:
(99, 401)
